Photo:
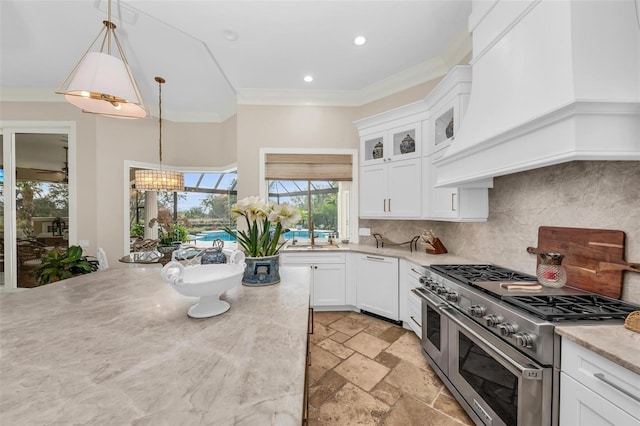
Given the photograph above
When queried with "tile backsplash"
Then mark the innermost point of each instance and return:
(579, 194)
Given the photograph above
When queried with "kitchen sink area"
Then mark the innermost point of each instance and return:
(309, 247)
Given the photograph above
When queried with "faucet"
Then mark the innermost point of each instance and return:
(313, 237)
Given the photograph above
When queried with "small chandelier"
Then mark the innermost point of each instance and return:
(159, 180)
(102, 83)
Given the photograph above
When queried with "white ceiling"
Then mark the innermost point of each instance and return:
(279, 42)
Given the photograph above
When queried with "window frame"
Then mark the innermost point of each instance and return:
(128, 165)
(353, 192)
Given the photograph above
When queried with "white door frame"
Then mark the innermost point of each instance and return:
(9, 129)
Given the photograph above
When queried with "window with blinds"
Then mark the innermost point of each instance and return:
(330, 167)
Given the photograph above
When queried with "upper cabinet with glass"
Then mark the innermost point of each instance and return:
(447, 103)
(392, 135)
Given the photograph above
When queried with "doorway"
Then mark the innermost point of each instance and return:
(36, 199)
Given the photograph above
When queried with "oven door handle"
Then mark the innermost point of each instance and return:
(525, 372)
(424, 295)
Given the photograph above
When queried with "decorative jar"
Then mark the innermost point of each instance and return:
(449, 130)
(214, 255)
(407, 145)
(377, 150)
(550, 271)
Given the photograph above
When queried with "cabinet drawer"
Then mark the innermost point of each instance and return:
(311, 258)
(414, 313)
(607, 379)
(415, 272)
(582, 406)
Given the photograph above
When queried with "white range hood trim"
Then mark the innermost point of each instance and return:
(571, 132)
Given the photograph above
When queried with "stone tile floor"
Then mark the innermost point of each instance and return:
(365, 371)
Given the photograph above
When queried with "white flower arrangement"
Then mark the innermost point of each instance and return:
(258, 240)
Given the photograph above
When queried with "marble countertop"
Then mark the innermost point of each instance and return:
(417, 256)
(117, 347)
(614, 342)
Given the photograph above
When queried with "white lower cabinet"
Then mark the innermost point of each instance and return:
(377, 285)
(410, 304)
(595, 391)
(328, 284)
(328, 276)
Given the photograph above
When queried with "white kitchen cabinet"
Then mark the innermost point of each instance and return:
(392, 144)
(328, 276)
(410, 304)
(391, 190)
(452, 204)
(377, 285)
(595, 391)
(390, 172)
(328, 283)
(447, 103)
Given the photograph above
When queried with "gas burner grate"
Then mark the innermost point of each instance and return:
(476, 273)
(573, 307)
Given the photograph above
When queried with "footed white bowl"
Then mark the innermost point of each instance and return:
(207, 282)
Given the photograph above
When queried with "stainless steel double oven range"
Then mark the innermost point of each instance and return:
(495, 349)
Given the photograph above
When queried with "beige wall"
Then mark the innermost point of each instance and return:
(104, 144)
(288, 127)
(583, 194)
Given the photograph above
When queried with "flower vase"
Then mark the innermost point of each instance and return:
(261, 271)
(167, 251)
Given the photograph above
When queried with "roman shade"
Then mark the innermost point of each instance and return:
(331, 167)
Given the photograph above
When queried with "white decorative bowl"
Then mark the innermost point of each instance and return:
(207, 282)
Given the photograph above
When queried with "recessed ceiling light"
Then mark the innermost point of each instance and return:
(359, 41)
(230, 35)
(308, 78)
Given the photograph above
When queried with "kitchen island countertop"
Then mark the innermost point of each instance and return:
(117, 347)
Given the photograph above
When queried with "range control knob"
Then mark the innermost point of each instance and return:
(433, 286)
(524, 339)
(423, 280)
(477, 310)
(507, 329)
(493, 320)
(441, 289)
(452, 296)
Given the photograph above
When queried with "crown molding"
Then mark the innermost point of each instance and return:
(458, 49)
(25, 94)
(403, 80)
(298, 97)
(29, 94)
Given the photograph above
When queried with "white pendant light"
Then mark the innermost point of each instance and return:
(159, 180)
(101, 83)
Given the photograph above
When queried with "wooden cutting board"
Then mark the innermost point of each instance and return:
(594, 258)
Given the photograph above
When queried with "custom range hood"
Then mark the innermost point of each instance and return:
(552, 81)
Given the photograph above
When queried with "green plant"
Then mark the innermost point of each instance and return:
(168, 230)
(59, 265)
(260, 240)
(137, 229)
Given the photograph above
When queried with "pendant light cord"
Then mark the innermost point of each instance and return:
(108, 27)
(160, 113)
